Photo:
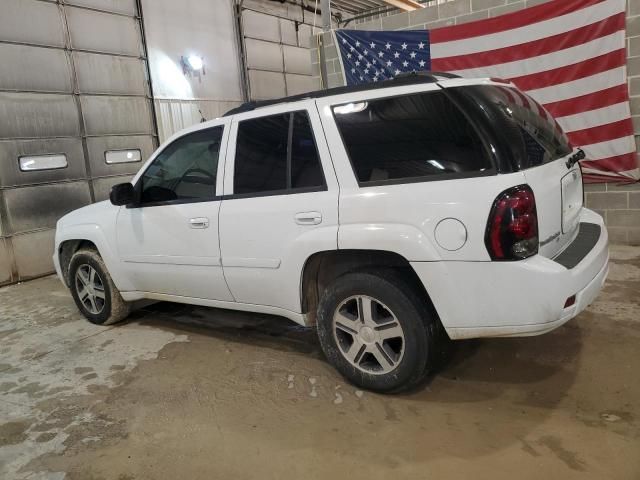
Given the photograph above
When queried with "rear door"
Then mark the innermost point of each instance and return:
(280, 203)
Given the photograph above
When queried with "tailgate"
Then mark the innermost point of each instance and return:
(558, 192)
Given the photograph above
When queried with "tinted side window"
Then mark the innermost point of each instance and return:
(409, 137)
(185, 170)
(276, 153)
(306, 170)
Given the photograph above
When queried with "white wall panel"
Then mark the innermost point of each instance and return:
(103, 32)
(192, 27)
(31, 21)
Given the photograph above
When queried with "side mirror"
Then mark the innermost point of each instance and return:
(122, 194)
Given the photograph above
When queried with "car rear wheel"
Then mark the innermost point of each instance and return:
(374, 328)
(93, 290)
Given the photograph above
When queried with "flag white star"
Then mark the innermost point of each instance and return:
(368, 64)
(365, 52)
(381, 54)
(413, 54)
(421, 45)
(351, 49)
(357, 44)
(357, 63)
(372, 45)
(389, 63)
(353, 70)
(359, 57)
(366, 70)
(404, 46)
(348, 55)
(396, 72)
(361, 79)
(388, 46)
(405, 64)
(422, 63)
(374, 61)
(396, 55)
(344, 40)
(375, 79)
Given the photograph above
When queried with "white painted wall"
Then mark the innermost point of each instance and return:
(181, 28)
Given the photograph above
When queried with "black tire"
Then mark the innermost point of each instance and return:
(112, 308)
(412, 312)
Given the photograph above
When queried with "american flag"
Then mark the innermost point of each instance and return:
(568, 55)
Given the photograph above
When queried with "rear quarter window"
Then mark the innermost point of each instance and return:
(407, 138)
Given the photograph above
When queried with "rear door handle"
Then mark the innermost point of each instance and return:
(199, 222)
(308, 218)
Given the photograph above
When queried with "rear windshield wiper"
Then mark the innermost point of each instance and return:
(575, 158)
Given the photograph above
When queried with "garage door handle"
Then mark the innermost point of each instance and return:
(308, 218)
(200, 222)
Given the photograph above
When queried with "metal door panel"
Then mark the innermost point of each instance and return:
(102, 186)
(103, 32)
(31, 208)
(127, 115)
(296, 60)
(33, 252)
(99, 145)
(6, 261)
(31, 21)
(125, 7)
(27, 65)
(99, 73)
(35, 115)
(12, 150)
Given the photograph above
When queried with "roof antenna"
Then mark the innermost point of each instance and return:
(202, 119)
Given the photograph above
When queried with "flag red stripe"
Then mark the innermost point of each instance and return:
(619, 163)
(591, 101)
(601, 133)
(522, 18)
(527, 50)
(575, 71)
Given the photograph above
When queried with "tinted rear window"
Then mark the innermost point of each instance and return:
(523, 130)
(408, 138)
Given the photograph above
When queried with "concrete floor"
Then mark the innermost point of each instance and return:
(194, 393)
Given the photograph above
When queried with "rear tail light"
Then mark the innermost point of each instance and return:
(512, 228)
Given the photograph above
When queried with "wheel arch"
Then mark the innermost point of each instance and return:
(322, 267)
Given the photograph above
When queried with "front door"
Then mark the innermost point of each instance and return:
(168, 242)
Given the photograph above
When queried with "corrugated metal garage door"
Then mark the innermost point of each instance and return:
(276, 55)
(75, 117)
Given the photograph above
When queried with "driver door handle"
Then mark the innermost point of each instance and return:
(199, 222)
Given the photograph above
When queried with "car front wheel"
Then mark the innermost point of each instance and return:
(93, 290)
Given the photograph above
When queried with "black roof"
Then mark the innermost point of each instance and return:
(400, 80)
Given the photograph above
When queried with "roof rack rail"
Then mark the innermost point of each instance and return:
(408, 78)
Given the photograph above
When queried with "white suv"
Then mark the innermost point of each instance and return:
(380, 215)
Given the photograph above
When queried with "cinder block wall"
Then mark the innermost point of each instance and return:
(619, 205)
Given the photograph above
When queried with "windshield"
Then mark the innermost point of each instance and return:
(523, 130)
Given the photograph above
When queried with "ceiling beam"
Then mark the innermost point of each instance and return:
(407, 5)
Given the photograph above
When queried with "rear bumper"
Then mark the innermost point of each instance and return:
(503, 299)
